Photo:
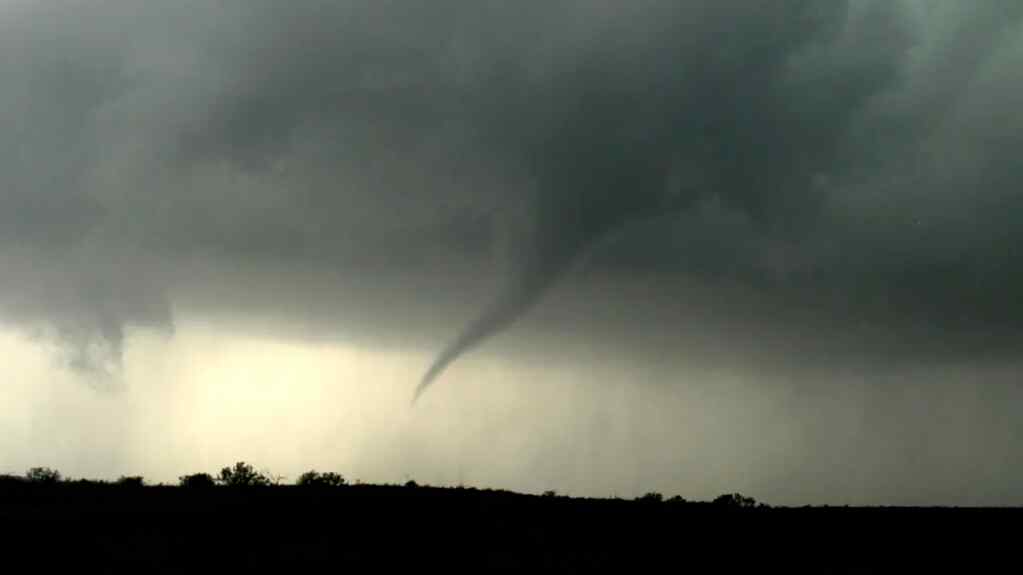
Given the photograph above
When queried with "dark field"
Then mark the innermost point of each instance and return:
(90, 528)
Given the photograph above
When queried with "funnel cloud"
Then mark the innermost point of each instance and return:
(600, 138)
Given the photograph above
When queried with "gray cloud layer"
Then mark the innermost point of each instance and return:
(852, 162)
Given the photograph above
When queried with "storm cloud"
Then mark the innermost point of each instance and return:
(801, 186)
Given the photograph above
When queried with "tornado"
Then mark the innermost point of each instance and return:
(539, 267)
(559, 237)
(505, 310)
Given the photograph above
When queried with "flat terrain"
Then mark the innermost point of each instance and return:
(284, 529)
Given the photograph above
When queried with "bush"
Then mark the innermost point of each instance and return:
(735, 500)
(131, 481)
(196, 480)
(43, 475)
(317, 479)
(243, 475)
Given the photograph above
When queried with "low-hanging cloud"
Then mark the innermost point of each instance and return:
(851, 157)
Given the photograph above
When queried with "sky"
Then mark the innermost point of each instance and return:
(692, 247)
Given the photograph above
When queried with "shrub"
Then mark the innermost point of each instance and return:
(242, 475)
(735, 500)
(43, 475)
(131, 481)
(317, 479)
(196, 480)
(652, 497)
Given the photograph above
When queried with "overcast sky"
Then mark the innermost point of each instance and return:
(686, 246)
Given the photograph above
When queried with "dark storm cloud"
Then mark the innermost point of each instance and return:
(846, 155)
(591, 125)
(58, 277)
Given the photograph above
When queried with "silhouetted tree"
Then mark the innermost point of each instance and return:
(411, 483)
(677, 499)
(550, 493)
(196, 480)
(652, 497)
(242, 475)
(316, 479)
(43, 475)
(131, 481)
(735, 500)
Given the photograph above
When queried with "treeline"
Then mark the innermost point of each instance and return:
(243, 474)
